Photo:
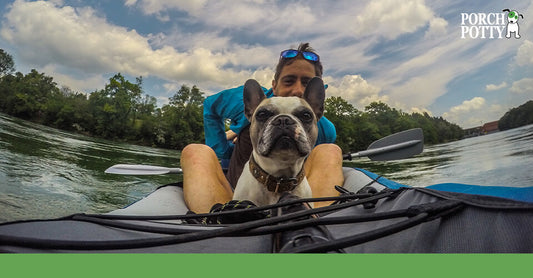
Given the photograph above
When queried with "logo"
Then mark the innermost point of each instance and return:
(490, 25)
(512, 23)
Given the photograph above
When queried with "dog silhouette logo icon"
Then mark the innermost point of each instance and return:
(512, 23)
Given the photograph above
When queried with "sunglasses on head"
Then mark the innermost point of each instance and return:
(291, 53)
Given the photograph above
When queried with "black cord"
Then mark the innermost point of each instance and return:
(224, 213)
(167, 240)
(183, 229)
(417, 214)
(361, 238)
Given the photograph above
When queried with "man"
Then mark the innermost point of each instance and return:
(204, 183)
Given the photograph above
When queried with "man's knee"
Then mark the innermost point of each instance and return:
(331, 151)
(196, 150)
(324, 156)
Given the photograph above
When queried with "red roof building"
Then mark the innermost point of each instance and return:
(490, 127)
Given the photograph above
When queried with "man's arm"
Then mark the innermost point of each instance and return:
(227, 104)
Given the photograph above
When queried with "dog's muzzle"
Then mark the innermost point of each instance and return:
(284, 133)
(283, 121)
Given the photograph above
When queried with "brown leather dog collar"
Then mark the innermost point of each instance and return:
(274, 184)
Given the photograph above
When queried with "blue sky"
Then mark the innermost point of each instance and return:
(409, 54)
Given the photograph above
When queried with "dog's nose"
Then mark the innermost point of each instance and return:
(283, 121)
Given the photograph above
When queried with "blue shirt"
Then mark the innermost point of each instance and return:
(228, 104)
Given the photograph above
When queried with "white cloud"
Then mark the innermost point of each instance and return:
(523, 86)
(420, 111)
(478, 117)
(171, 87)
(264, 76)
(157, 6)
(86, 84)
(392, 18)
(494, 87)
(218, 44)
(355, 90)
(497, 109)
(524, 56)
(277, 19)
(284, 20)
(437, 27)
(237, 14)
(469, 105)
(79, 38)
(420, 91)
(470, 113)
(429, 66)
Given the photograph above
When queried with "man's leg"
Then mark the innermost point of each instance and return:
(323, 169)
(204, 183)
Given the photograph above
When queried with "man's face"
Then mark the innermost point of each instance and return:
(293, 79)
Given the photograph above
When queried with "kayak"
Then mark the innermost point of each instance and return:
(371, 215)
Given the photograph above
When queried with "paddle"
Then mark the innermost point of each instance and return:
(133, 169)
(396, 146)
(399, 145)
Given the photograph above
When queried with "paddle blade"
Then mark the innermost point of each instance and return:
(130, 169)
(400, 145)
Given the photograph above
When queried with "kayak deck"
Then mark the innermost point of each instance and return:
(403, 220)
(168, 200)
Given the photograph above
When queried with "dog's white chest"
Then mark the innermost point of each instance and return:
(512, 27)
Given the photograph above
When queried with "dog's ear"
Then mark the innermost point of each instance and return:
(314, 95)
(252, 96)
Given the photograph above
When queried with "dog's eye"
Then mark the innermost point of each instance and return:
(306, 116)
(263, 115)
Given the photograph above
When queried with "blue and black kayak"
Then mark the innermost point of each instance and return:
(371, 215)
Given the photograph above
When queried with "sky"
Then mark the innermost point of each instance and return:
(450, 59)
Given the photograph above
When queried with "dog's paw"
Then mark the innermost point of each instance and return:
(241, 212)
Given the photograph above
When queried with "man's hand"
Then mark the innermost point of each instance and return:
(231, 136)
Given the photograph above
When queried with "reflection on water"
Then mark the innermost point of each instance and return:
(48, 173)
(45, 172)
(498, 159)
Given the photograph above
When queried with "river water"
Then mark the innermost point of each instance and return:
(48, 173)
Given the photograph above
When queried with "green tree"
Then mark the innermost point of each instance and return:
(118, 111)
(356, 130)
(183, 118)
(121, 112)
(25, 96)
(7, 65)
(383, 116)
(71, 111)
(518, 116)
(147, 126)
(346, 119)
(114, 107)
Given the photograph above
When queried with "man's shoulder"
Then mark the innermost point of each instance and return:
(325, 122)
(233, 92)
(230, 95)
(328, 133)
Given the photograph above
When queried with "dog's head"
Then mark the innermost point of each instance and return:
(284, 128)
(512, 17)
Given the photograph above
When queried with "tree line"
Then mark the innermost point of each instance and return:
(119, 111)
(518, 116)
(122, 111)
(356, 129)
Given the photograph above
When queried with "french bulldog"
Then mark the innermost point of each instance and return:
(283, 131)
